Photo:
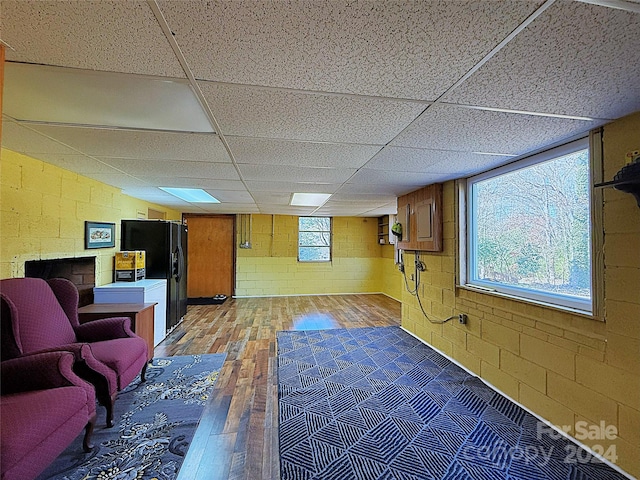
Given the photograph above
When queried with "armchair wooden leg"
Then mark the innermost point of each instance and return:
(87, 446)
(143, 373)
(109, 406)
(102, 388)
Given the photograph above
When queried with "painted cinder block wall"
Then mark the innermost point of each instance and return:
(359, 264)
(566, 368)
(43, 209)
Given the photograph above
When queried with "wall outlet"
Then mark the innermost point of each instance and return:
(462, 319)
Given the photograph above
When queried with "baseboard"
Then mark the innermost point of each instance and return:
(311, 295)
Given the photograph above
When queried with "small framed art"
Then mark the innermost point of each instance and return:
(99, 235)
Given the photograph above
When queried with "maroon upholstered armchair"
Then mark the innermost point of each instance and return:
(44, 406)
(43, 316)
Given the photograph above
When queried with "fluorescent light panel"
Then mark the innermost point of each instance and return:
(309, 199)
(192, 195)
(41, 93)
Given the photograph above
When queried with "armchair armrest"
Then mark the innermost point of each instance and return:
(105, 329)
(40, 371)
(80, 351)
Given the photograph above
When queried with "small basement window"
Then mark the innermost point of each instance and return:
(314, 239)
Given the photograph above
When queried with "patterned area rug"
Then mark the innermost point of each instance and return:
(376, 403)
(154, 424)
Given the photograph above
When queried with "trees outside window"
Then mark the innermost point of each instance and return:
(314, 239)
(530, 231)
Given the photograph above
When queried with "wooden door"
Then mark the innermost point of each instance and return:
(210, 255)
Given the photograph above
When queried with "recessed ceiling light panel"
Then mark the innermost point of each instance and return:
(309, 199)
(192, 195)
(46, 94)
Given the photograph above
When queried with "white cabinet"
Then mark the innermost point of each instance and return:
(142, 291)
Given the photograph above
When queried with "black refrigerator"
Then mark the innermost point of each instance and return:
(165, 244)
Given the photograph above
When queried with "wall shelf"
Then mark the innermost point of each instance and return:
(385, 237)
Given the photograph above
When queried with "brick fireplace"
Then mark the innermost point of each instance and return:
(81, 271)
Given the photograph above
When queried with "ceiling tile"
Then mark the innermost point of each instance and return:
(262, 151)
(399, 49)
(285, 210)
(229, 208)
(77, 163)
(451, 164)
(449, 127)
(353, 205)
(372, 199)
(575, 59)
(172, 168)
(368, 176)
(154, 194)
(260, 112)
(109, 35)
(292, 187)
(341, 212)
(389, 209)
(280, 173)
(118, 180)
(201, 147)
(387, 188)
(272, 198)
(189, 182)
(146, 191)
(230, 196)
(24, 139)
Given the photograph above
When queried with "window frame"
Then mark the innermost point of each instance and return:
(466, 224)
(330, 246)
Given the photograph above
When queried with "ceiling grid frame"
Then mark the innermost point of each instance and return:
(374, 175)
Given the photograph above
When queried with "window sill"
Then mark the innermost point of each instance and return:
(551, 306)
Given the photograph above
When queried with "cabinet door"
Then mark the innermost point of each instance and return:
(424, 220)
(420, 213)
(404, 217)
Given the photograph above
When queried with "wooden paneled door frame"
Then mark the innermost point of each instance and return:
(232, 218)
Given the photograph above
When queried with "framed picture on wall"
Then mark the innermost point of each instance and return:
(99, 235)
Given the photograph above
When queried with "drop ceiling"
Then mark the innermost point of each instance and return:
(254, 100)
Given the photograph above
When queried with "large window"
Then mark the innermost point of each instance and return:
(314, 239)
(529, 229)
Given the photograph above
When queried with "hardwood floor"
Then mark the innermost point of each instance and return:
(238, 434)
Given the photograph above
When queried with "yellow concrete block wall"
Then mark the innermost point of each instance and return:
(271, 266)
(566, 368)
(43, 209)
(391, 278)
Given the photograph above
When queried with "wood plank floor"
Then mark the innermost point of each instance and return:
(238, 434)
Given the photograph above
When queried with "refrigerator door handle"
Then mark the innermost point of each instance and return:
(180, 264)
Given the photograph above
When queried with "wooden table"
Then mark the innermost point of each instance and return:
(141, 315)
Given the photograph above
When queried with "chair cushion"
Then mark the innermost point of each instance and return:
(37, 426)
(34, 301)
(121, 355)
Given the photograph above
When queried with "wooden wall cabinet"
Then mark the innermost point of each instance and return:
(420, 213)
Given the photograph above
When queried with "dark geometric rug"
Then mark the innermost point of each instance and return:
(376, 403)
(154, 424)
